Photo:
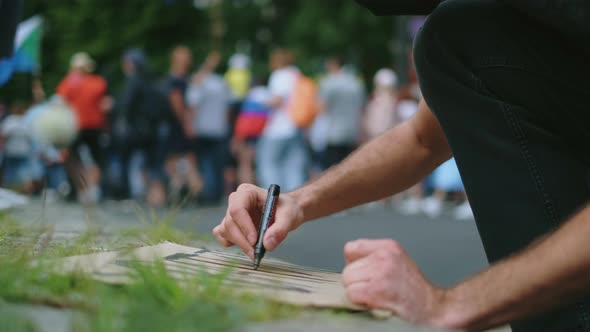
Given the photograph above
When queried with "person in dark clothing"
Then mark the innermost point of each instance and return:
(141, 115)
(505, 86)
(181, 163)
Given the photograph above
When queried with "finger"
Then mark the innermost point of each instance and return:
(243, 209)
(236, 236)
(217, 231)
(357, 271)
(357, 293)
(244, 221)
(358, 249)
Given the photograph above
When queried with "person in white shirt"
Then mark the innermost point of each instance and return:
(209, 99)
(343, 98)
(18, 149)
(282, 156)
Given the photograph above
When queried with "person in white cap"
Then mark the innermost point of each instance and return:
(380, 113)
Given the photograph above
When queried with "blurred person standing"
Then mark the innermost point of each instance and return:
(18, 148)
(342, 98)
(181, 164)
(238, 78)
(249, 127)
(209, 99)
(380, 114)
(281, 155)
(49, 159)
(86, 93)
(140, 114)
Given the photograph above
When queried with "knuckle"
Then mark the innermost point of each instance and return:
(394, 247)
(388, 267)
(380, 288)
(346, 277)
(279, 231)
(355, 295)
(230, 226)
(354, 246)
(244, 187)
(350, 247)
(221, 231)
(383, 255)
(234, 210)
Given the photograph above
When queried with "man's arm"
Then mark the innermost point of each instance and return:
(208, 66)
(177, 104)
(387, 165)
(552, 272)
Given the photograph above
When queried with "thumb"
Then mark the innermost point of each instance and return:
(277, 232)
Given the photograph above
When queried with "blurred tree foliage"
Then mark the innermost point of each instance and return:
(105, 28)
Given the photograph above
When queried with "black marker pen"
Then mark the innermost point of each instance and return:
(268, 214)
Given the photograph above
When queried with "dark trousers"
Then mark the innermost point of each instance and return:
(212, 156)
(512, 98)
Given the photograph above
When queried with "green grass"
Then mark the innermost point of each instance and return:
(155, 301)
(157, 228)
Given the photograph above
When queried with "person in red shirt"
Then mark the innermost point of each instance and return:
(86, 93)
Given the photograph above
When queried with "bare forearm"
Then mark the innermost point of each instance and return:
(551, 272)
(389, 164)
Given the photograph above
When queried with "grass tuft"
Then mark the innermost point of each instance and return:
(155, 301)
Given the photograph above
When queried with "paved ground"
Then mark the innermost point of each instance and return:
(447, 250)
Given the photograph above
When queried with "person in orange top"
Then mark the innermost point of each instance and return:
(86, 93)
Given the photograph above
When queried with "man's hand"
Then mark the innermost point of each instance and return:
(240, 224)
(380, 275)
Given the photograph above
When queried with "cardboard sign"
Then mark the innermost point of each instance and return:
(274, 279)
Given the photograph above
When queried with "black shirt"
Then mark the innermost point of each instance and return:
(570, 18)
(177, 83)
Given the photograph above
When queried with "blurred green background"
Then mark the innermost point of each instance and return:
(314, 29)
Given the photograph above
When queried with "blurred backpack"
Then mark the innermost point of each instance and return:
(148, 108)
(303, 104)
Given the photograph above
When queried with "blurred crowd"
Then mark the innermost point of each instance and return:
(192, 136)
